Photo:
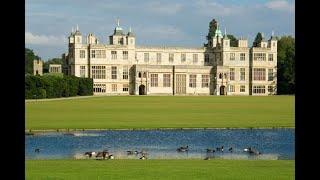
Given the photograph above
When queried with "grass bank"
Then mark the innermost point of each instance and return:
(128, 112)
(160, 169)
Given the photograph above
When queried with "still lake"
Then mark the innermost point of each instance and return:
(162, 144)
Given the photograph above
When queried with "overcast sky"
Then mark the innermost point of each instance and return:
(155, 22)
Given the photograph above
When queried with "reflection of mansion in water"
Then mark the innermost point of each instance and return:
(121, 67)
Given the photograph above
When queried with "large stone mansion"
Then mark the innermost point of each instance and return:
(124, 68)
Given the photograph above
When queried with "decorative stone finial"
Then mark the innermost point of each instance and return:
(77, 27)
(130, 29)
(272, 33)
(118, 22)
(225, 31)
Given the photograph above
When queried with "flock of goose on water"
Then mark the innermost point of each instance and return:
(105, 154)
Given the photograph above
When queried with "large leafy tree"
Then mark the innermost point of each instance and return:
(212, 28)
(29, 57)
(286, 65)
(257, 40)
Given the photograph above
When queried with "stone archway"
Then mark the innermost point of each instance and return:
(142, 90)
(222, 90)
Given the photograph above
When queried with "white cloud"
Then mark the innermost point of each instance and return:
(212, 8)
(281, 5)
(160, 8)
(44, 40)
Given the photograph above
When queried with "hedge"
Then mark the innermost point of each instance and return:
(49, 86)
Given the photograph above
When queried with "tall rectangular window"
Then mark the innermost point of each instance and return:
(205, 81)
(232, 56)
(259, 56)
(93, 53)
(166, 80)
(125, 55)
(242, 56)
(259, 74)
(183, 57)
(98, 72)
(270, 74)
(231, 74)
(270, 57)
(195, 58)
(242, 88)
(242, 74)
(113, 54)
(125, 73)
(193, 80)
(82, 71)
(231, 88)
(270, 89)
(154, 80)
(259, 90)
(82, 54)
(158, 58)
(206, 58)
(146, 57)
(171, 57)
(113, 72)
(125, 87)
(113, 87)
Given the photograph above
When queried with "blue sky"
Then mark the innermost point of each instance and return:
(155, 22)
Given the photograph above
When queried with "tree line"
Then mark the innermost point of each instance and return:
(52, 86)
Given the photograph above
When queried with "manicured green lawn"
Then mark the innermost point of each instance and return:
(161, 112)
(160, 169)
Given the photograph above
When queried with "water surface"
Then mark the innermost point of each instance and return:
(162, 144)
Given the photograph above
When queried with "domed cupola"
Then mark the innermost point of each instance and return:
(118, 30)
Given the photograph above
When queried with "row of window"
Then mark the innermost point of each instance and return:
(171, 57)
(259, 74)
(102, 54)
(262, 90)
(232, 88)
(262, 57)
(233, 56)
(99, 72)
(192, 80)
(166, 80)
(256, 89)
(101, 88)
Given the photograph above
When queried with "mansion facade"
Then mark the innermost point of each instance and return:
(123, 68)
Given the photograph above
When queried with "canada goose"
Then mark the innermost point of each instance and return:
(183, 149)
(210, 150)
(230, 149)
(220, 148)
(110, 156)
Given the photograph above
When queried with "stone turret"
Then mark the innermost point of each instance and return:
(118, 37)
(37, 67)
